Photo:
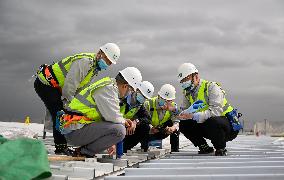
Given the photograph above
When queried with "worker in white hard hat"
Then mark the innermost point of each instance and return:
(92, 119)
(163, 110)
(132, 108)
(207, 112)
(58, 83)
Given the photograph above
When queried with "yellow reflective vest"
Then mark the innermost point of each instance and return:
(130, 114)
(203, 95)
(61, 68)
(151, 105)
(83, 103)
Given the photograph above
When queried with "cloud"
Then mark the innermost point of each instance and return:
(233, 42)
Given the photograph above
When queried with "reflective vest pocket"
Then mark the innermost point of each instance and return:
(64, 120)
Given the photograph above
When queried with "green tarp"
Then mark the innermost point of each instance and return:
(24, 159)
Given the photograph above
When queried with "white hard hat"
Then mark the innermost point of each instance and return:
(112, 51)
(147, 89)
(167, 92)
(133, 76)
(186, 69)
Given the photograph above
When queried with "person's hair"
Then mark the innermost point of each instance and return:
(194, 74)
(120, 79)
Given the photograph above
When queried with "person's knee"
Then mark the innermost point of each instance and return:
(119, 131)
(232, 136)
(213, 121)
(143, 128)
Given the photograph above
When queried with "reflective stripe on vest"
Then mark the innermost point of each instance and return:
(130, 114)
(204, 96)
(154, 113)
(61, 68)
(47, 77)
(84, 103)
(42, 78)
(66, 120)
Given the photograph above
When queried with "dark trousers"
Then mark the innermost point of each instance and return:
(140, 135)
(216, 129)
(174, 137)
(51, 98)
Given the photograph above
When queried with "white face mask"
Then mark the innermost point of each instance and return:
(187, 85)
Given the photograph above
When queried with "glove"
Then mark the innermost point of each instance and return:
(194, 107)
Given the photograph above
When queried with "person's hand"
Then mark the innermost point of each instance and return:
(168, 106)
(128, 123)
(131, 129)
(184, 116)
(154, 130)
(111, 150)
(170, 130)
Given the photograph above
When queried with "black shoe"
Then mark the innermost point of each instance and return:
(221, 152)
(67, 151)
(205, 149)
(174, 150)
(78, 153)
(145, 150)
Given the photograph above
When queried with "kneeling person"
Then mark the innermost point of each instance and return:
(132, 108)
(92, 119)
(211, 121)
(163, 111)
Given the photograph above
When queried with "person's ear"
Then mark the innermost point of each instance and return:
(194, 77)
(125, 86)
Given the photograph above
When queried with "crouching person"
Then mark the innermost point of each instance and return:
(215, 121)
(132, 108)
(163, 111)
(92, 120)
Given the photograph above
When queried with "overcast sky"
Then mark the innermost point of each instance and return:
(237, 43)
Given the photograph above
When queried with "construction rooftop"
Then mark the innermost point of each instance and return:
(249, 157)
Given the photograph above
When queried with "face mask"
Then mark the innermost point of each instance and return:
(161, 102)
(140, 98)
(187, 85)
(128, 97)
(102, 64)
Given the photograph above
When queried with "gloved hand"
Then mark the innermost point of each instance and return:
(194, 107)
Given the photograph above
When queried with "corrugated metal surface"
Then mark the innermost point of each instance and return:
(249, 157)
(102, 165)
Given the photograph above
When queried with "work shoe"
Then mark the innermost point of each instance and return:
(174, 150)
(205, 149)
(66, 151)
(78, 153)
(221, 152)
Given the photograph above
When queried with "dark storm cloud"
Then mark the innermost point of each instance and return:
(239, 43)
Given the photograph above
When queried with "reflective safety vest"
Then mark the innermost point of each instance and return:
(83, 103)
(203, 95)
(131, 113)
(60, 69)
(152, 108)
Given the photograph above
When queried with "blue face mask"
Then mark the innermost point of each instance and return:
(140, 98)
(102, 64)
(187, 85)
(161, 102)
(128, 97)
